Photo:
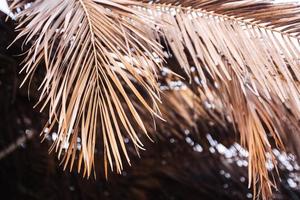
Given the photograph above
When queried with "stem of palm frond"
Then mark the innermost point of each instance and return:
(202, 12)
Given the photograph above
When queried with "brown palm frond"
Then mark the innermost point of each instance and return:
(87, 47)
(96, 52)
(262, 59)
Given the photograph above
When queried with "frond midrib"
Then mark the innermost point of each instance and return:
(91, 29)
(239, 20)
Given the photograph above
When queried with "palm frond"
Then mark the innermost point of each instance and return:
(238, 55)
(93, 56)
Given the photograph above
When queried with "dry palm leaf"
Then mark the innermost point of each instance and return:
(97, 51)
(264, 58)
(91, 65)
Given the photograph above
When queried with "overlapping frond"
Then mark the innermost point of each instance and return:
(233, 53)
(243, 55)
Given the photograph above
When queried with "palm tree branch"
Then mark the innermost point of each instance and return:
(213, 40)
